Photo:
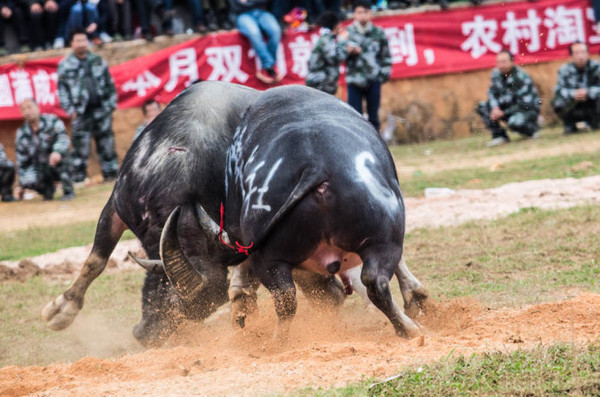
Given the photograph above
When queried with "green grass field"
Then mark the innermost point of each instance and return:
(558, 370)
(528, 257)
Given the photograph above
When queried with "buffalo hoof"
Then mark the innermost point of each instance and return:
(416, 302)
(409, 330)
(60, 313)
(241, 307)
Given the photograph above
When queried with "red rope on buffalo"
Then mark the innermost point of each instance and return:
(238, 247)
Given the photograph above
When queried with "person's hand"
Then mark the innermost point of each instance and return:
(496, 113)
(50, 6)
(6, 12)
(55, 158)
(91, 27)
(580, 94)
(36, 8)
(353, 49)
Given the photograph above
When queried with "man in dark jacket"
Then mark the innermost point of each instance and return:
(11, 14)
(43, 22)
(253, 20)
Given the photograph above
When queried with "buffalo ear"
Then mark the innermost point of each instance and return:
(188, 282)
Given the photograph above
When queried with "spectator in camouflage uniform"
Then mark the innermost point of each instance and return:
(87, 93)
(368, 64)
(512, 98)
(577, 93)
(327, 55)
(150, 109)
(7, 176)
(42, 148)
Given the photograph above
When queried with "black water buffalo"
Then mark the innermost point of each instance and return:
(178, 161)
(309, 184)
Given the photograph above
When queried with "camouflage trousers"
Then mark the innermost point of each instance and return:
(572, 112)
(96, 123)
(41, 178)
(525, 122)
(7, 178)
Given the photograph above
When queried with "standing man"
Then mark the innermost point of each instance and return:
(7, 176)
(369, 63)
(87, 94)
(577, 92)
(42, 148)
(511, 98)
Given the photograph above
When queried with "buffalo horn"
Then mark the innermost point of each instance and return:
(152, 265)
(184, 277)
(207, 224)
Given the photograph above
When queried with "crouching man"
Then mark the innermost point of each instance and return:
(512, 98)
(577, 92)
(43, 153)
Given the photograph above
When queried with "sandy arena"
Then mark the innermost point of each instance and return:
(325, 349)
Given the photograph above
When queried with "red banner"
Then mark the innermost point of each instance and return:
(421, 44)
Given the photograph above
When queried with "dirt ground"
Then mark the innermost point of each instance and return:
(324, 350)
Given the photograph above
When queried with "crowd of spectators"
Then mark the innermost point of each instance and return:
(45, 24)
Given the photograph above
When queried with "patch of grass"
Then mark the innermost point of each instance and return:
(557, 370)
(484, 177)
(102, 329)
(36, 241)
(474, 146)
(529, 257)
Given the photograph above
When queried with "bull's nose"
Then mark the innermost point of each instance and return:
(334, 267)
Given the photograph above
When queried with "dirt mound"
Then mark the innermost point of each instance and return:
(325, 350)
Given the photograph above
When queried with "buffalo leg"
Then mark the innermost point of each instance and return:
(277, 278)
(376, 275)
(242, 294)
(61, 312)
(320, 290)
(413, 292)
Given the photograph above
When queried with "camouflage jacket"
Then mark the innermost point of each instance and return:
(72, 91)
(324, 62)
(33, 149)
(513, 93)
(4, 161)
(374, 63)
(570, 78)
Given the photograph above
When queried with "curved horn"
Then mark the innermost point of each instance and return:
(185, 278)
(207, 223)
(152, 265)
